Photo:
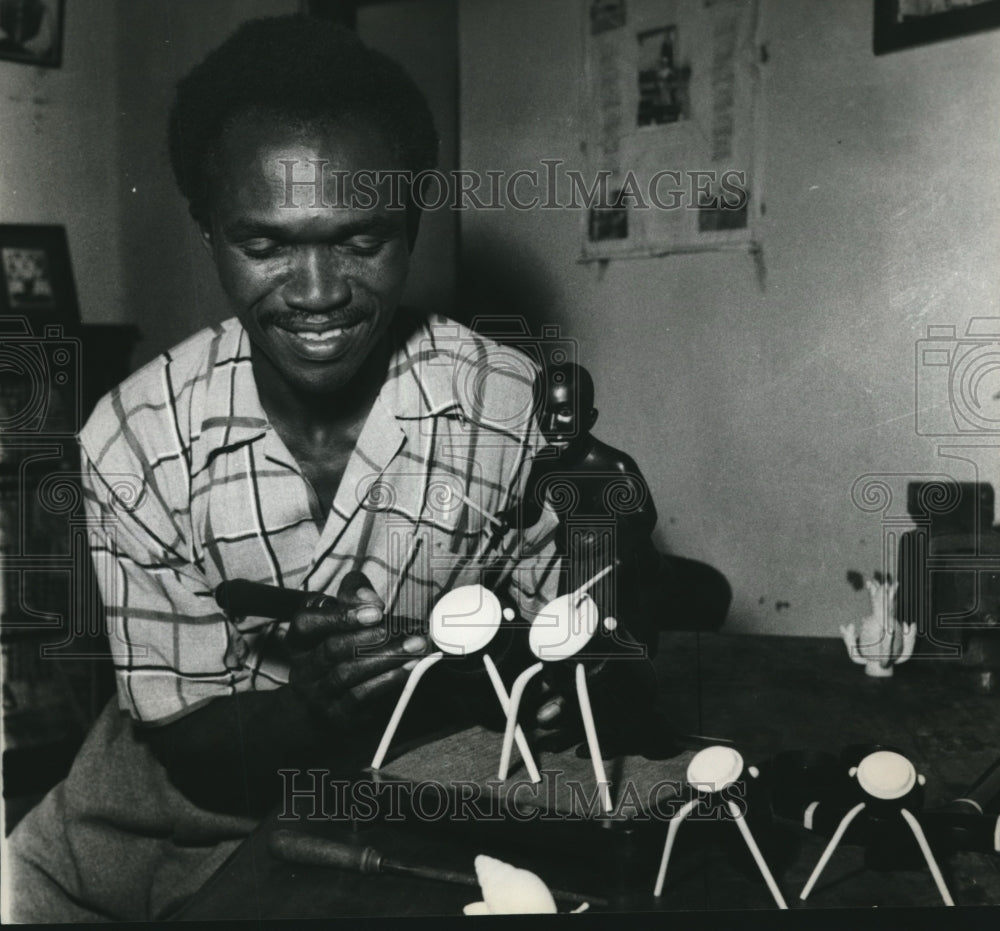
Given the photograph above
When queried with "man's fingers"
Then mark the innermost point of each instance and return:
(353, 673)
(312, 626)
(367, 595)
(357, 605)
(550, 711)
(356, 589)
(358, 707)
(354, 644)
(378, 688)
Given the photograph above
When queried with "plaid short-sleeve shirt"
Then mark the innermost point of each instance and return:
(187, 484)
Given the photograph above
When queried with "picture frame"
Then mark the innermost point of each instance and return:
(901, 24)
(31, 32)
(36, 276)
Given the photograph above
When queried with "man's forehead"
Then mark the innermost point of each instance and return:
(356, 135)
(331, 164)
(257, 139)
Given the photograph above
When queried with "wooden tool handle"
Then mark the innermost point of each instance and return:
(307, 850)
(321, 851)
(242, 598)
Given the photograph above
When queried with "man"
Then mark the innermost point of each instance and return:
(317, 442)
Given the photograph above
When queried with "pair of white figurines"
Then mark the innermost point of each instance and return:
(464, 622)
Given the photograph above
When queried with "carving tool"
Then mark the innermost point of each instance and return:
(307, 850)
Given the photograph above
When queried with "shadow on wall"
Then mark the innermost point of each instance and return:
(499, 279)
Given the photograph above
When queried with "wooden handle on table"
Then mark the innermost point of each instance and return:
(308, 850)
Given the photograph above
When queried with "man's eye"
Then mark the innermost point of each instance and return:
(364, 245)
(259, 248)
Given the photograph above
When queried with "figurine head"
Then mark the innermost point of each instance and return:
(567, 405)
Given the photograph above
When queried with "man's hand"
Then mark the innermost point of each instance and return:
(344, 661)
(226, 755)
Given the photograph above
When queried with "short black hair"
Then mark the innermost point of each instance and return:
(306, 71)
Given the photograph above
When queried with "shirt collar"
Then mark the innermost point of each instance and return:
(424, 379)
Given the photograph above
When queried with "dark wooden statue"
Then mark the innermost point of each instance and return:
(607, 516)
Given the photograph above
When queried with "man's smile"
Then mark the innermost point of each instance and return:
(318, 342)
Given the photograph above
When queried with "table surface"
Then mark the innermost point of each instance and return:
(766, 694)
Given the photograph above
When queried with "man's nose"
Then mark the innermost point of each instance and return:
(318, 281)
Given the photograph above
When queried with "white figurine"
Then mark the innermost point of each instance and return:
(882, 641)
(560, 630)
(888, 778)
(508, 890)
(463, 622)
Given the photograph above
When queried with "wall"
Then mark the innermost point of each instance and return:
(753, 412)
(169, 282)
(58, 153)
(422, 35)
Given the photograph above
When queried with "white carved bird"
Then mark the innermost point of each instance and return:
(881, 642)
(508, 890)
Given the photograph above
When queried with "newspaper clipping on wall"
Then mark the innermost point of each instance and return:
(672, 88)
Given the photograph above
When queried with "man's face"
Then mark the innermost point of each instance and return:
(313, 275)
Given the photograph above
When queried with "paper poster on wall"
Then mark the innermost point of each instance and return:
(670, 115)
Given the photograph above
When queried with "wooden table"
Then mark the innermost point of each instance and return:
(767, 694)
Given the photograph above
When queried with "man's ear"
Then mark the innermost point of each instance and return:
(206, 237)
(592, 418)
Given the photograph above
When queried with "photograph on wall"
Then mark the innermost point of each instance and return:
(31, 32)
(36, 278)
(605, 15)
(671, 130)
(28, 274)
(910, 8)
(900, 24)
(663, 81)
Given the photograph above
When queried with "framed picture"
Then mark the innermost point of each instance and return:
(31, 31)
(900, 24)
(36, 278)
